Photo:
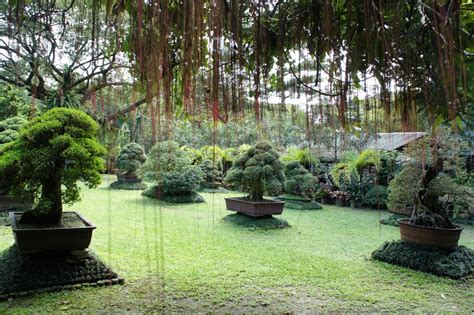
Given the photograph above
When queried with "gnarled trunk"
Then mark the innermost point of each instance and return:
(49, 209)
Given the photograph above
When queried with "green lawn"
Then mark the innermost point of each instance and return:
(185, 258)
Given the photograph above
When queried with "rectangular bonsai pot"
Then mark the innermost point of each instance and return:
(255, 208)
(32, 240)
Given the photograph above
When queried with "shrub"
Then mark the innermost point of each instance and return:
(212, 177)
(402, 189)
(376, 196)
(10, 128)
(130, 158)
(54, 151)
(164, 157)
(175, 178)
(299, 181)
(183, 181)
(258, 170)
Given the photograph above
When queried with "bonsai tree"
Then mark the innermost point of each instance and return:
(255, 169)
(212, 177)
(299, 181)
(52, 153)
(129, 160)
(440, 156)
(171, 169)
(10, 128)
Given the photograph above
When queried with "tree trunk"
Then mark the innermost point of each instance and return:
(49, 209)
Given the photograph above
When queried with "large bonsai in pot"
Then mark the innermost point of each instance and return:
(51, 155)
(256, 171)
(129, 160)
(430, 222)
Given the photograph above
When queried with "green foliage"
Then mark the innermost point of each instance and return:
(457, 264)
(257, 171)
(182, 181)
(376, 196)
(130, 158)
(10, 128)
(402, 189)
(298, 181)
(128, 185)
(302, 155)
(265, 223)
(163, 157)
(212, 177)
(54, 151)
(14, 102)
(156, 193)
(352, 165)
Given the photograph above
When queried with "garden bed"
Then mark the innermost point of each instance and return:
(264, 222)
(452, 264)
(22, 275)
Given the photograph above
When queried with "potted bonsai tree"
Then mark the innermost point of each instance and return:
(129, 160)
(52, 153)
(253, 170)
(430, 223)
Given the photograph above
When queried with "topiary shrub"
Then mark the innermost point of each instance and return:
(212, 177)
(298, 181)
(129, 160)
(53, 152)
(256, 171)
(377, 196)
(10, 129)
(175, 178)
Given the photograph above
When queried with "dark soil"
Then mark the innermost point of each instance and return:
(68, 219)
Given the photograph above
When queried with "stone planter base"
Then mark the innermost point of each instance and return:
(255, 208)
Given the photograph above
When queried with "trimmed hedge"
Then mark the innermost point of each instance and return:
(265, 222)
(24, 274)
(452, 264)
(127, 185)
(192, 197)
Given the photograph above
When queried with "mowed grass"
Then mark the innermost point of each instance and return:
(186, 258)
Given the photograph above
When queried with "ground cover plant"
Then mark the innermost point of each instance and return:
(185, 258)
(453, 264)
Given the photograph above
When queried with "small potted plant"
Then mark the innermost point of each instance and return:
(51, 155)
(129, 160)
(341, 197)
(253, 170)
